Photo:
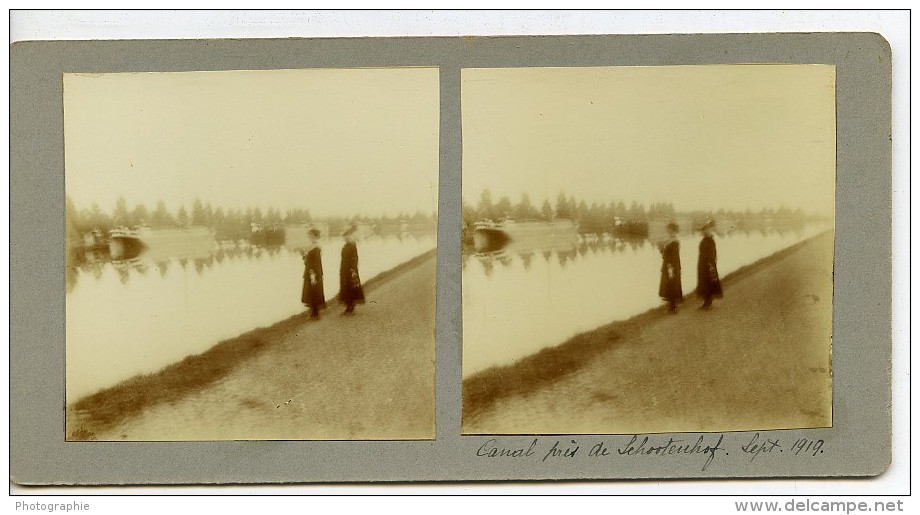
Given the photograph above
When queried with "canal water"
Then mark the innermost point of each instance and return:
(125, 318)
(520, 300)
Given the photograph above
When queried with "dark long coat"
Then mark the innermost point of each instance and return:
(312, 293)
(707, 275)
(350, 290)
(670, 288)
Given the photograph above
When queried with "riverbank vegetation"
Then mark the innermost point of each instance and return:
(227, 224)
(618, 217)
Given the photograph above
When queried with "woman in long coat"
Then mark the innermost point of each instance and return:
(708, 284)
(670, 289)
(312, 295)
(350, 290)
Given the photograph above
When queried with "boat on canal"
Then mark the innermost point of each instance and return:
(127, 243)
(489, 236)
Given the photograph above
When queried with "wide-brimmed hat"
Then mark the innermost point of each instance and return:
(708, 224)
(349, 230)
(672, 226)
(314, 231)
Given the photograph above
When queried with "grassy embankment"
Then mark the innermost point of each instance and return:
(104, 409)
(535, 372)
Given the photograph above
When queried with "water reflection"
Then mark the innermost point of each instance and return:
(89, 264)
(125, 317)
(515, 304)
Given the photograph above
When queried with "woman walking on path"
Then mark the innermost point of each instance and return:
(350, 290)
(707, 275)
(312, 295)
(670, 289)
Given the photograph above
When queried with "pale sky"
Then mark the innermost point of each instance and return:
(335, 142)
(702, 137)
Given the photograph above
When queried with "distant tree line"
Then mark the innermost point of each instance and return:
(230, 223)
(616, 216)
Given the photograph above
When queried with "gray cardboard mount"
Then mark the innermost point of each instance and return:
(858, 444)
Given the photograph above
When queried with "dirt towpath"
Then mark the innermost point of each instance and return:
(760, 359)
(368, 376)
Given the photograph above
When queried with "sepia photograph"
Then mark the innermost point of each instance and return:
(251, 254)
(647, 249)
(507, 261)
